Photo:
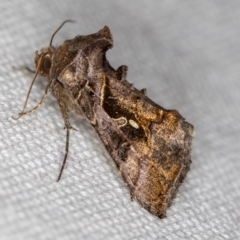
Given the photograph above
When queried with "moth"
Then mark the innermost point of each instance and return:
(150, 145)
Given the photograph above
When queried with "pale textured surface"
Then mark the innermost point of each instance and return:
(187, 54)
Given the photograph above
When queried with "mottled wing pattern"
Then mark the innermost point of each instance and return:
(150, 145)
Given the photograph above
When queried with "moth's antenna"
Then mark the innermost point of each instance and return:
(59, 29)
(30, 88)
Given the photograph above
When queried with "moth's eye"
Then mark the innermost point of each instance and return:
(47, 65)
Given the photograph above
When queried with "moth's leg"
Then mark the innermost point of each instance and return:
(23, 68)
(63, 100)
(75, 109)
(64, 110)
(29, 69)
(66, 154)
(48, 90)
(34, 109)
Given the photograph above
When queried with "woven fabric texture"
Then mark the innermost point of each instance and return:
(187, 54)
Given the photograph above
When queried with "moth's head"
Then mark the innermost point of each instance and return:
(43, 60)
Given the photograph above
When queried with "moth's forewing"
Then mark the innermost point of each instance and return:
(150, 145)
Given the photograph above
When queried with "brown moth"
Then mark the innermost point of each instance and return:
(150, 145)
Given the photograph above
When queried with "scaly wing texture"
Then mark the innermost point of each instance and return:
(150, 145)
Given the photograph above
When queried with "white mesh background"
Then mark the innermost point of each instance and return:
(187, 54)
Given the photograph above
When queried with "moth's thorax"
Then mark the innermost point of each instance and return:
(82, 58)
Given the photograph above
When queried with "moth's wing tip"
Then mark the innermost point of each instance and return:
(105, 32)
